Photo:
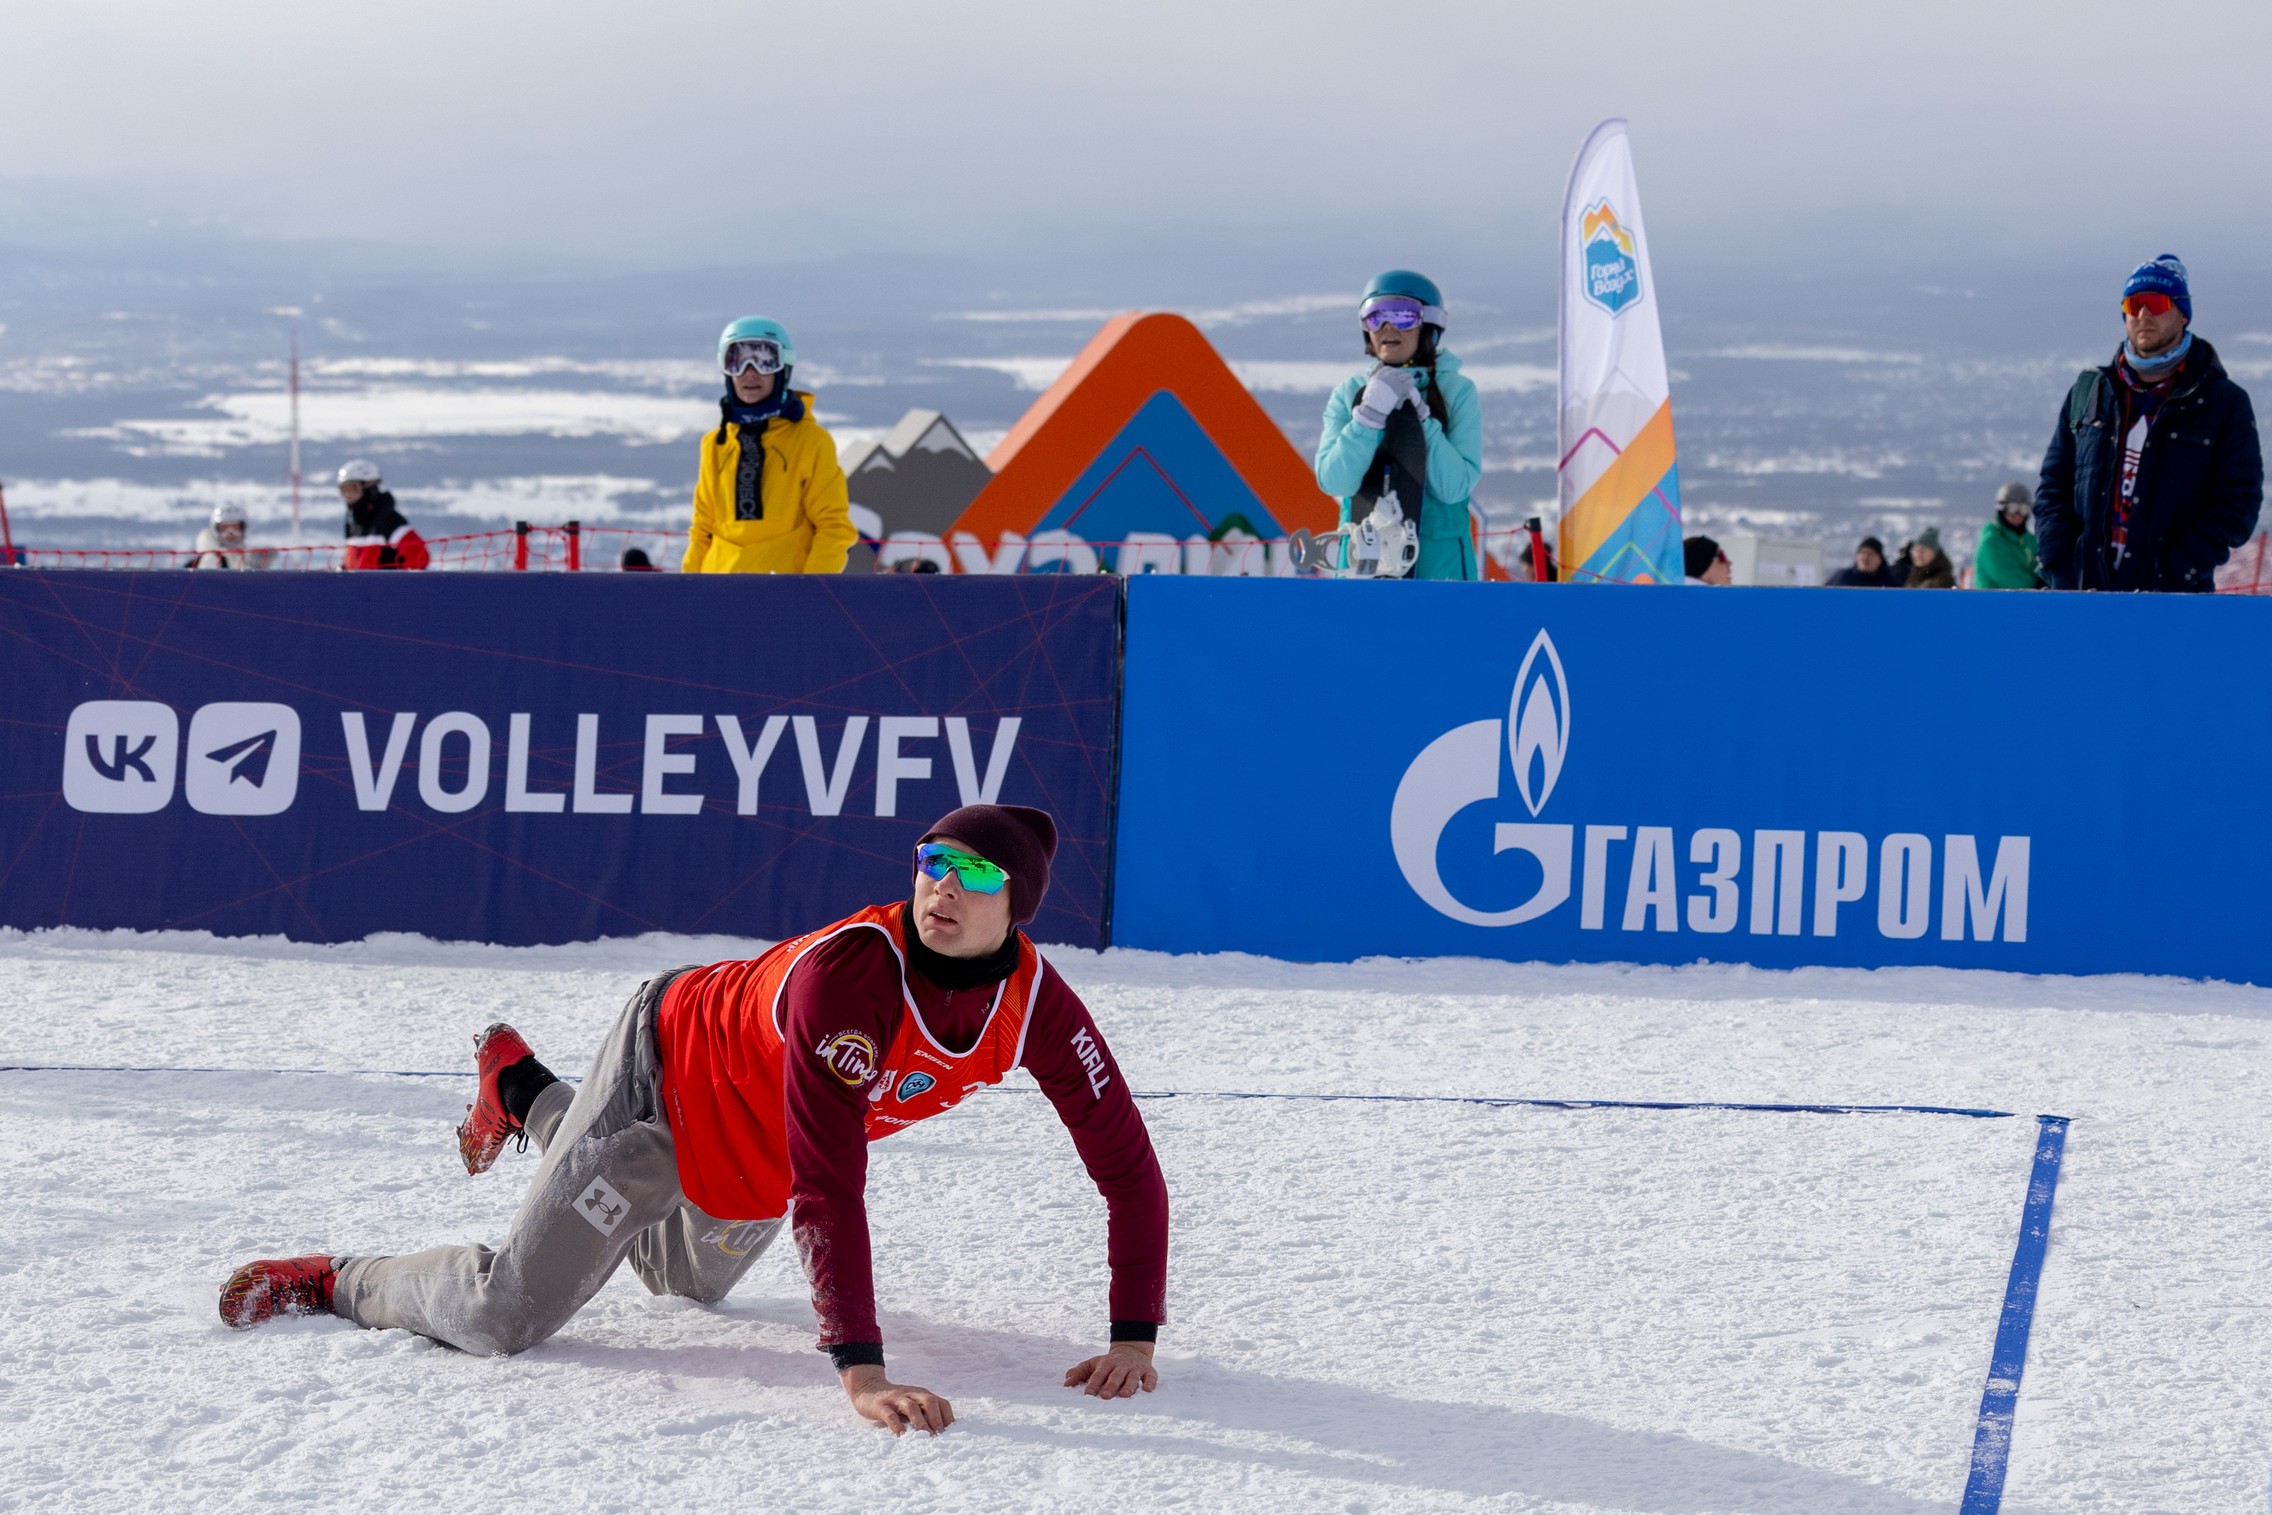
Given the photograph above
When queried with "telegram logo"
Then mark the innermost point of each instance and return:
(244, 759)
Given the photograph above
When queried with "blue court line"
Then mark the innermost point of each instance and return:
(1999, 1401)
(1503, 1101)
(1497, 1101)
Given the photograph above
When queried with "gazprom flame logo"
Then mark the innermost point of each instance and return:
(1612, 263)
(1462, 768)
(1538, 721)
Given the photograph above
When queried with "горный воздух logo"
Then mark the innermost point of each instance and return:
(1794, 882)
(1461, 767)
(1613, 264)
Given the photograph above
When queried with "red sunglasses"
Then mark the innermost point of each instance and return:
(2150, 304)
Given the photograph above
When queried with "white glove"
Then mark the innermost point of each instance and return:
(1384, 391)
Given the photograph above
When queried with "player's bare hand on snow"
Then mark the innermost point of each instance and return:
(1118, 1374)
(901, 1407)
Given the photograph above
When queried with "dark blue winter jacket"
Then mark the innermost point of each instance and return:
(2200, 484)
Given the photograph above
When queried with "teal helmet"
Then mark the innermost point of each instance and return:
(757, 329)
(1404, 283)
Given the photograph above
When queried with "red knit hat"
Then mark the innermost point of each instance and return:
(1018, 837)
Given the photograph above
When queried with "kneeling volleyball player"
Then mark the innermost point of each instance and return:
(729, 1097)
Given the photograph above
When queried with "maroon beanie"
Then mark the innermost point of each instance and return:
(1018, 837)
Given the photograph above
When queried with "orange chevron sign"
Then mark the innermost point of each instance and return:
(1147, 431)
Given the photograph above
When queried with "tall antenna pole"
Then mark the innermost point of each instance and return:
(295, 434)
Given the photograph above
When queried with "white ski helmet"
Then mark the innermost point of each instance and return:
(228, 513)
(359, 471)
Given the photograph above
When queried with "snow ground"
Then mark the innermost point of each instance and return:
(1375, 1307)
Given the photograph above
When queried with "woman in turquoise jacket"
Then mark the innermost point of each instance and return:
(1411, 423)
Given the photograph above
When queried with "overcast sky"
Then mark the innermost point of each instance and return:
(693, 132)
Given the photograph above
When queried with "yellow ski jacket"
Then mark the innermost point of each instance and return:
(806, 524)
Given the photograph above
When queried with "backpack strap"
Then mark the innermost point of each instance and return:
(2081, 400)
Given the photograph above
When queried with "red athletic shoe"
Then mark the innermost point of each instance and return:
(261, 1291)
(488, 1124)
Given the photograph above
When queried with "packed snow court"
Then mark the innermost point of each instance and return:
(1423, 1305)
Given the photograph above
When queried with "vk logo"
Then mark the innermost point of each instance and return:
(1461, 768)
(118, 757)
(244, 759)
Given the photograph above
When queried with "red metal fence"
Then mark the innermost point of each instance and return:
(2248, 571)
(526, 548)
(573, 547)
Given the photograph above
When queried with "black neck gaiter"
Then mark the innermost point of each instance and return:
(953, 973)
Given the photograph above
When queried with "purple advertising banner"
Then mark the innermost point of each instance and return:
(536, 757)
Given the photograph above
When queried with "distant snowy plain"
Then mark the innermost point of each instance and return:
(1375, 1307)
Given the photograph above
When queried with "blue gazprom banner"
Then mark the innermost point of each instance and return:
(2058, 784)
(540, 757)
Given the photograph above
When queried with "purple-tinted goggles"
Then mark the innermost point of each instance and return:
(1398, 311)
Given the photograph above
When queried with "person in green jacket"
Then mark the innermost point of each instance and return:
(2006, 557)
(1409, 423)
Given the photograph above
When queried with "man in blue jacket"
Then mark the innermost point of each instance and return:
(2154, 474)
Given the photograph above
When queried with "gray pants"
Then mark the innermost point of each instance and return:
(606, 1190)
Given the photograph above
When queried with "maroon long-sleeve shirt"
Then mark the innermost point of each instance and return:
(852, 982)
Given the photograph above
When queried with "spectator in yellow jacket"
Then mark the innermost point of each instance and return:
(770, 497)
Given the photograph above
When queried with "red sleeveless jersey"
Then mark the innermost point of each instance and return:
(720, 1035)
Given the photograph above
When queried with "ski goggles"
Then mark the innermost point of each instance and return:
(2150, 303)
(760, 353)
(935, 860)
(1399, 311)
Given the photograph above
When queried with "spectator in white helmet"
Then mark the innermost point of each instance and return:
(222, 543)
(377, 535)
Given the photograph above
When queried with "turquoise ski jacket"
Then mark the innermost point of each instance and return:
(1455, 463)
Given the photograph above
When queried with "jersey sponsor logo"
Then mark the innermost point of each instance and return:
(742, 1237)
(1092, 1058)
(1469, 765)
(602, 1206)
(912, 1085)
(850, 1055)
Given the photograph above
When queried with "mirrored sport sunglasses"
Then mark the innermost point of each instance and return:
(2150, 303)
(977, 874)
(1397, 311)
(760, 353)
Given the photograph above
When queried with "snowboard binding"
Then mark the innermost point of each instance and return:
(1382, 546)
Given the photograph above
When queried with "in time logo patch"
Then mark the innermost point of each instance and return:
(850, 1055)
